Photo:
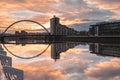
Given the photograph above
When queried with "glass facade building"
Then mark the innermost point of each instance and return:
(105, 29)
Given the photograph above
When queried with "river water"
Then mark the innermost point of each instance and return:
(68, 61)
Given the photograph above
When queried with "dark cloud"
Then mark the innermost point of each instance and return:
(76, 77)
(98, 14)
(105, 4)
(82, 26)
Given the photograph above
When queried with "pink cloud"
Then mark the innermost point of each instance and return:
(109, 70)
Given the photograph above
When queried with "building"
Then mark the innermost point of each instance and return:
(9, 72)
(105, 49)
(105, 29)
(53, 25)
(58, 29)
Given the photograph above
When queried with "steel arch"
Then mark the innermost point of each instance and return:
(23, 21)
(21, 56)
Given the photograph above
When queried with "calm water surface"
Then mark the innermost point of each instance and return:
(77, 62)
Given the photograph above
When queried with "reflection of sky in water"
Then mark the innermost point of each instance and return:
(75, 64)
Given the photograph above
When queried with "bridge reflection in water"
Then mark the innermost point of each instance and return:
(57, 47)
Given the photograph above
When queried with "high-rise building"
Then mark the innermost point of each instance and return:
(58, 29)
(53, 24)
(9, 72)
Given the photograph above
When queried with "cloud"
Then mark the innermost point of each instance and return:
(109, 70)
(109, 5)
(43, 73)
(79, 11)
(98, 15)
(70, 11)
(105, 4)
(40, 71)
(14, 10)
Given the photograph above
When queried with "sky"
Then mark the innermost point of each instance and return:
(69, 11)
(77, 63)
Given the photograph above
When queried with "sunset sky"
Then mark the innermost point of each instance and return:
(75, 64)
(70, 11)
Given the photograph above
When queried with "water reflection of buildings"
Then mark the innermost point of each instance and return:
(58, 48)
(105, 49)
(10, 72)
